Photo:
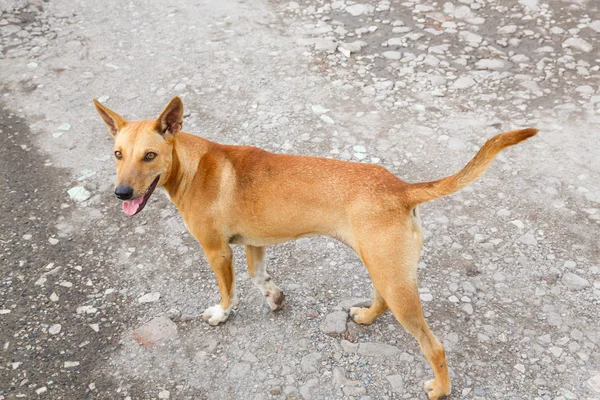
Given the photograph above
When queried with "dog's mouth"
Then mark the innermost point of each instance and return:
(132, 207)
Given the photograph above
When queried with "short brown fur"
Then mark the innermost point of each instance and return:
(244, 195)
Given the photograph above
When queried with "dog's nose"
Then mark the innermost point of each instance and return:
(124, 192)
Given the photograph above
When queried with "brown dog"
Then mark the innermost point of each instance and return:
(244, 195)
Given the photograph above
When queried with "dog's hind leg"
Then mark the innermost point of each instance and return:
(391, 254)
(405, 304)
(366, 316)
(220, 258)
(258, 272)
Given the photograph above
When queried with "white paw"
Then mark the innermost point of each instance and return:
(428, 386)
(215, 315)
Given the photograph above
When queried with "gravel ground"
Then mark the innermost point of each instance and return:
(97, 305)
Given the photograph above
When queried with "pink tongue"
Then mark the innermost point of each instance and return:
(131, 206)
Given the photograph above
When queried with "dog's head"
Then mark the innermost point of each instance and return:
(143, 152)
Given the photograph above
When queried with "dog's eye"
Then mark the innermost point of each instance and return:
(150, 156)
(118, 155)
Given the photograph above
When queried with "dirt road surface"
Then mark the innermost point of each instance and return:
(510, 272)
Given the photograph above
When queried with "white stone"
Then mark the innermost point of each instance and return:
(344, 51)
(359, 9)
(149, 297)
(392, 55)
(439, 49)
(353, 47)
(520, 58)
(528, 239)
(164, 394)
(518, 223)
(545, 338)
(585, 90)
(556, 351)
(335, 323)
(449, 25)
(327, 119)
(54, 329)
(437, 80)
(395, 42)
(464, 82)
(384, 85)
(570, 264)
(396, 382)
(491, 64)
(520, 368)
(574, 281)
(507, 30)
(317, 109)
(328, 44)
(594, 383)
(86, 310)
(545, 49)
(531, 5)
(426, 296)
(432, 61)
(79, 194)
(157, 330)
(471, 38)
(468, 287)
(503, 213)
(579, 44)
(401, 29)
(378, 349)
(71, 364)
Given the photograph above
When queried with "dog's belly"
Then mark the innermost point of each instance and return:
(265, 241)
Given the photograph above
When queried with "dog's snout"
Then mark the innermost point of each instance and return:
(124, 192)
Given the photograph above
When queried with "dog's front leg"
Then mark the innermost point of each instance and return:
(220, 259)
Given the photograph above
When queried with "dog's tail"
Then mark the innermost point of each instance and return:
(426, 191)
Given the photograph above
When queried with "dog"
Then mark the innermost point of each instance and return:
(244, 195)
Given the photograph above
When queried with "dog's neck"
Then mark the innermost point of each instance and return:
(187, 152)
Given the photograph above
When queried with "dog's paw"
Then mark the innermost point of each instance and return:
(215, 315)
(434, 392)
(360, 315)
(428, 386)
(275, 299)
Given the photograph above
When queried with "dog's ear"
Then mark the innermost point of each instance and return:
(113, 120)
(171, 119)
